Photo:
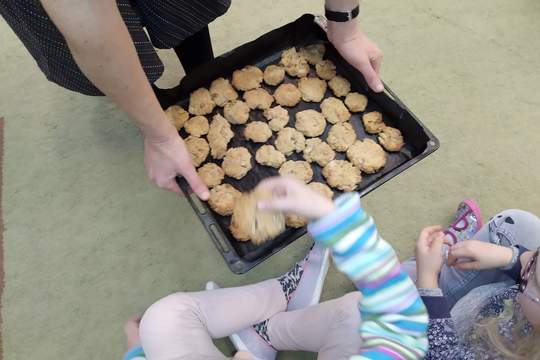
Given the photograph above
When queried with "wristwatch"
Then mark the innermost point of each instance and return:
(342, 16)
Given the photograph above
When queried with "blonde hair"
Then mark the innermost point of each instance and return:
(522, 347)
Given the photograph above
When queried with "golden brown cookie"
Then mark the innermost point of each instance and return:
(177, 116)
(258, 99)
(373, 122)
(268, 155)
(250, 222)
(274, 75)
(257, 131)
(318, 151)
(290, 140)
(222, 199)
(198, 148)
(287, 95)
(222, 91)
(341, 136)
(391, 139)
(294, 64)
(247, 78)
(313, 53)
(211, 174)
(339, 86)
(312, 89)
(310, 122)
(356, 102)
(237, 162)
(236, 112)
(326, 70)
(334, 110)
(367, 155)
(342, 175)
(300, 170)
(236, 231)
(200, 102)
(277, 117)
(322, 189)
(219, 135)
(197, 126)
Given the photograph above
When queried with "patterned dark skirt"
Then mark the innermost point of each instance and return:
(168, 23)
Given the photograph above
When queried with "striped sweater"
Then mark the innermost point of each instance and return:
(394, 318)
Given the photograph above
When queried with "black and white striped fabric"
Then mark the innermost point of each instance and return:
(168, 23)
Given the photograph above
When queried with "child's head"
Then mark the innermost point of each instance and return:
(522, 347)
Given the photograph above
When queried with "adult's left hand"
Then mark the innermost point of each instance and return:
(358, 50)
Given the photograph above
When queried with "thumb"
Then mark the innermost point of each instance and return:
(371, 76)
(195, 182)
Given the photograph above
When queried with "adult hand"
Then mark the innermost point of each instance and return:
(294, 197)
(478, 255)
(358, 50)
(429, 256)
(164, 159)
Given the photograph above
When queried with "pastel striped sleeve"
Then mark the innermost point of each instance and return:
(135, 353)
(394, 318)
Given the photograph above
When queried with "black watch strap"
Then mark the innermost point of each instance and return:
(342, 16)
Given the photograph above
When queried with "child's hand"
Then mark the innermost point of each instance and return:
(294, 197)
(478, 255)
(429, 256)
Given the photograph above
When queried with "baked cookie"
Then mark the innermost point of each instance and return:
(197, 126)
(326, 70)
(222, 199)
(198, 148)
(236, 112)
(250, 222)
(219, 135)
(356, 102)
(277, 117)
(287, 95)
(340, 86)
(294, 64)
(268, 155)
(247, 78)
(258, 99)
(236, 231)
(342, 175)
(318, 151)
(177, 116)
(295, 221)
(334, 110)
(310, 122)
(367, 155)
(322, 189)
(222, 92)
(200, 102)
(257, 131)
(312, 89)
(341, 136)
(211, 174)
(300, 170)
(237, 162)
(373, 122)
(290, 140)
(313, 53)
(274, 75)
(391, 139)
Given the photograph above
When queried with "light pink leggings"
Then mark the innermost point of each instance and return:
(182, 325)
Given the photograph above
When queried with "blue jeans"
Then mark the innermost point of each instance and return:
(508, 228)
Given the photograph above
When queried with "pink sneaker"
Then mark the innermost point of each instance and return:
(467, 222)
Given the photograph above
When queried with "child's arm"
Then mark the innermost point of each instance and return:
(394, 319)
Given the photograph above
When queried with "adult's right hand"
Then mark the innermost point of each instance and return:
(164, 159)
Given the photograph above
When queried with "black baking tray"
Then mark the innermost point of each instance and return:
(420, 142)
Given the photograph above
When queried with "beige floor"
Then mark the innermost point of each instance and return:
(89, 241)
